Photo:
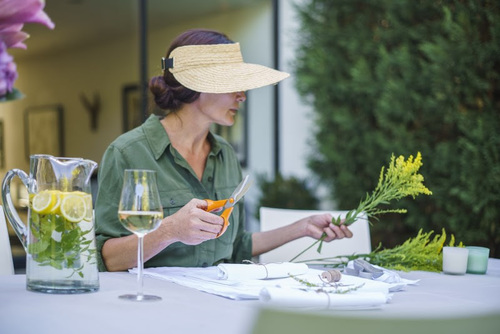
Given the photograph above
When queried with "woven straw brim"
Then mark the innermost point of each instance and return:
(219, 68)
(229, 78)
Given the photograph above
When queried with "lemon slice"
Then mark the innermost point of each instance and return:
(88, 202)
(43, 202)
(57, 201)
(73, 208)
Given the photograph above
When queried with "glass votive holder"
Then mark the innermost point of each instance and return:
(477, 262)
(455, 260)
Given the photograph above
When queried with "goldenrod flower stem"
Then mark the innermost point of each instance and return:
(401, 179)
(305, 250)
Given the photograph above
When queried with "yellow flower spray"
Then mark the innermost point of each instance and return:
(417, 253)
(401, 179)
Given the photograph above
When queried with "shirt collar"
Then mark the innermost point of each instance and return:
(214, 143)
(156, 135)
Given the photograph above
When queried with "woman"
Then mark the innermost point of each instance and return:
(204, 81)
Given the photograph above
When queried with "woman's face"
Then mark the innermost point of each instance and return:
(220, 108)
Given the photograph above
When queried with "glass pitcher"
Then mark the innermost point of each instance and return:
(59, 237)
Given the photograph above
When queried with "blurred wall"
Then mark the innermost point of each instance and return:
(106, 68)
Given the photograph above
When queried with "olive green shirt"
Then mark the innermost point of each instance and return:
(148, 147)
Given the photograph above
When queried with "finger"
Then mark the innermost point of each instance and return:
(338, 231)
(347, 232)
(210, 228)
(198, 237)
(198, 203)
(211, 218)
(207, 205)
(201, 230)
(207, 235)
(330, 234)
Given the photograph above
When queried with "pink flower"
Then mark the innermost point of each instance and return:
(13, 15)
(24, 11)
(13, 38)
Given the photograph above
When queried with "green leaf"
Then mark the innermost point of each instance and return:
(38, 247)
(336, 221)
(14, 95)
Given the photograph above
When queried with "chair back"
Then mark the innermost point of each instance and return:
(271, 218)
(6, 261)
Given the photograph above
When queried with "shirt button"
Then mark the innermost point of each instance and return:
(172, 202)
(210, 179)
(204, 264)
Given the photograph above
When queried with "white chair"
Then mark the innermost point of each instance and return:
(271, 218)
(6, 262)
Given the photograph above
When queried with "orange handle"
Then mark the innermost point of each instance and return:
(212, 205)
(225, 215)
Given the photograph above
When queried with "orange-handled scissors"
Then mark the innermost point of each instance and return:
(228, 204)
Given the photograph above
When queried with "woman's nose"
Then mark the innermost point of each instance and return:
(241, 97)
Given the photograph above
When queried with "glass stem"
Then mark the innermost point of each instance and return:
(140, 266)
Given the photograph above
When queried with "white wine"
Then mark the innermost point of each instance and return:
(140, 222)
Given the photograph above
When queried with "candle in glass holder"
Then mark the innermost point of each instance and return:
(477, 262)
(455, 260)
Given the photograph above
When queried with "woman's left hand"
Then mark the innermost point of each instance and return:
(316, 225)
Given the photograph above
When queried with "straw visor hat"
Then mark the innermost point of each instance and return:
(218, 68)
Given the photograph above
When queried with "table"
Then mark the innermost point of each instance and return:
(185, 310)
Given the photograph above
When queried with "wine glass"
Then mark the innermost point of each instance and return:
(140, 212)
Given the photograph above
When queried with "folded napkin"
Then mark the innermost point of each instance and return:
(322, 300)
(208, 280)
(242, 272)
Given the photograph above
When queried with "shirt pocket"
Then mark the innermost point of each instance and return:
(172, 201)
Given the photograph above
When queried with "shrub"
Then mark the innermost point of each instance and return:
(285, 193)
(401, 77)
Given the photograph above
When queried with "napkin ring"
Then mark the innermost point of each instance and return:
(267, 272)
(259, 264)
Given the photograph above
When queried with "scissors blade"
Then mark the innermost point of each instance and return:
(239, 192)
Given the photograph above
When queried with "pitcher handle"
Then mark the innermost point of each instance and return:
(10, 211)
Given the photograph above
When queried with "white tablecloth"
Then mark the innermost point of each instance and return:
(185, 310)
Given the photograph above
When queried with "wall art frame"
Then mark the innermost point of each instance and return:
(131, 104)
(44, 130)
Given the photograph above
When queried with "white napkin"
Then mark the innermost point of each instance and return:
(322, 300)
(207, 280)
(243, 272)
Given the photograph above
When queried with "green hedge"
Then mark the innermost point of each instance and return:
(400, 77)
(285, 192)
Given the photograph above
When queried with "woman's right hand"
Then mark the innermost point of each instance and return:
(192, 225)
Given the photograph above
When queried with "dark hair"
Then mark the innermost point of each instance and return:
(168, 93)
